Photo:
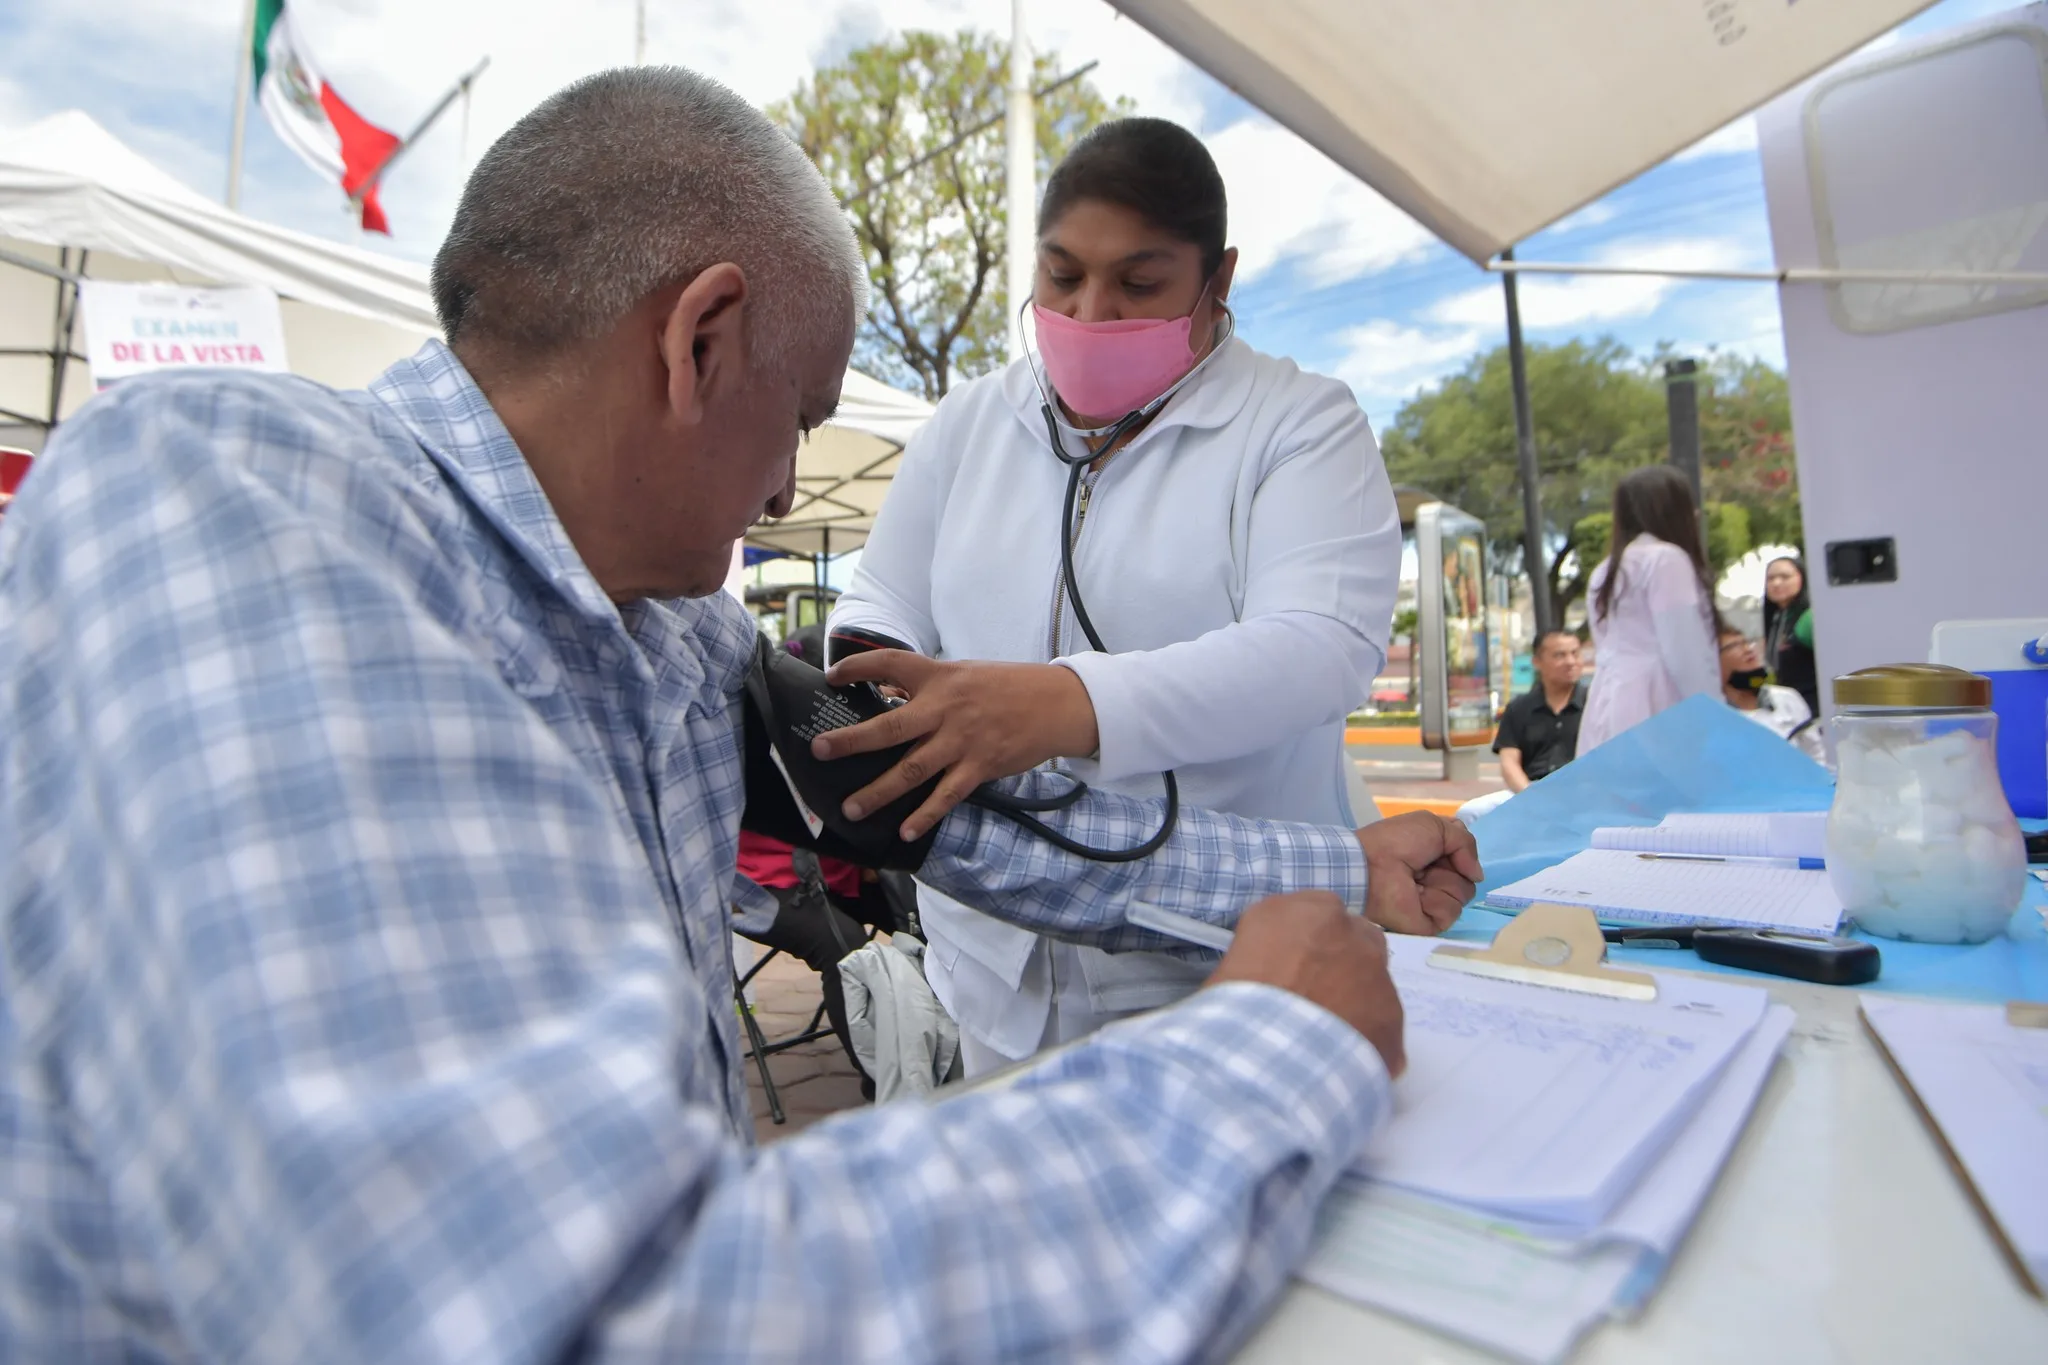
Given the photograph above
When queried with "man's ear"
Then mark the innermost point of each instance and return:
(703, 339)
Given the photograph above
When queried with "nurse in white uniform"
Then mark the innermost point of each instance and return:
(1235, 547)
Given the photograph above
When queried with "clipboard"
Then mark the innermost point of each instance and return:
(1559, 946)
(2019, 1014)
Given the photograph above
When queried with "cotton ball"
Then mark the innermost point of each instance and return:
(1986, 804)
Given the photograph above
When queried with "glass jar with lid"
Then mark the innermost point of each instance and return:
(1922, 844)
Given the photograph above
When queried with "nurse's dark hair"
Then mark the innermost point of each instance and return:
(1158, 170)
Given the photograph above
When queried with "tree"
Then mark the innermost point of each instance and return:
(1599, 413)
(933, 230)
(1597, 416)
(1746, 448)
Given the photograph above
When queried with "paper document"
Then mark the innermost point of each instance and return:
(1524, 1290)
(1625, 886)
(1798, 834)
(1546, 1104)
(1984, 1083)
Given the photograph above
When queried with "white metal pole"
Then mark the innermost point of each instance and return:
(245, 70)
(1021, 247)
(639, 32)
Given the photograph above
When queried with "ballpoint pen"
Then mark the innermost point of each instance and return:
(1800, 864)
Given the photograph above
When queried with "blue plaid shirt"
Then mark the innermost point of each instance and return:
(367, 996)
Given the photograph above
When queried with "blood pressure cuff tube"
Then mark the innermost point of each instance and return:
(848, 641)
(788, 704)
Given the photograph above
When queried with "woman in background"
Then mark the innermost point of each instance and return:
(1653, 616)
(1788, 630)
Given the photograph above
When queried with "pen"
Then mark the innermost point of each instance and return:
(1799, 864)
(1173, 924)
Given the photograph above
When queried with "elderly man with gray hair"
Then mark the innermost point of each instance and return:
(369, 792)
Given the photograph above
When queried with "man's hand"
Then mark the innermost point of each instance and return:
(1308, 943)
(973, 722)
(1421, 871)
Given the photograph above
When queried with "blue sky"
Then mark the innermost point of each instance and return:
(1331, 274)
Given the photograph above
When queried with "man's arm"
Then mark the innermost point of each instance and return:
(1507, 742)
(394, 1051)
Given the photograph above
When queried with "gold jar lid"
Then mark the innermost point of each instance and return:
(1913, 687)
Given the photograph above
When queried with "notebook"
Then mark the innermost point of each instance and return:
(1982, 1085)
(1801, 834)
(1626, 887)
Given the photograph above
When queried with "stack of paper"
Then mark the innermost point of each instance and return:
(1548, 1151)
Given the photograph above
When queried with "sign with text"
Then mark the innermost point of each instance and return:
(133, 329)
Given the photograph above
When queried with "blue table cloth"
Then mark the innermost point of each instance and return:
(1701, 756)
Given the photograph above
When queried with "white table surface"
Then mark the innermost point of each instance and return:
(1837, 1232)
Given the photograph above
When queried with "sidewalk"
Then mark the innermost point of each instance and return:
(815, 1080)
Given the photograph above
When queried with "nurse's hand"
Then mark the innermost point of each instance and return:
(972, 721)
(1308, 943)
(1421, 870)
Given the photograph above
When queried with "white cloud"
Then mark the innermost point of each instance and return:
(1553, 301)
(1380, 354)
(1593, 215)
(1386, 362)
(1729, 140)
(1290, 202)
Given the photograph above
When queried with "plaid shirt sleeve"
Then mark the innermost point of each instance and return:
(1212, 868)
(340, 1020)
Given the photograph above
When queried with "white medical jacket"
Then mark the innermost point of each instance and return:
(1239, 557)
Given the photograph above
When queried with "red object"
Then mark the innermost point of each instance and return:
(13, 469)
(364, 147)
(766, 861)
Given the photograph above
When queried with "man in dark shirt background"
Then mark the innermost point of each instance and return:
(1539, 730)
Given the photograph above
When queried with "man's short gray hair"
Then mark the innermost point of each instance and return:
(625, 183)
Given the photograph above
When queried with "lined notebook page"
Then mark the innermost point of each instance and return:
(1801, 834)
(1618, 885)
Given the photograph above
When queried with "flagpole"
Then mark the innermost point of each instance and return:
(460, 87)
(245, 70)
(639, 32)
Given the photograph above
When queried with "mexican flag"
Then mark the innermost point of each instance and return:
(314, 121)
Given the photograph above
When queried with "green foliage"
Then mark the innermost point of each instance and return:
(1746, 448)
(1599, 412)
(1596, 418)
(935, 237)
(1728, 536)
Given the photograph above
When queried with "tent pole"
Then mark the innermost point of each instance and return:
(245, 70)
(1533, 557)
(461, 87)
(61, 329)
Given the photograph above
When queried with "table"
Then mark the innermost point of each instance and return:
(1837, 1232)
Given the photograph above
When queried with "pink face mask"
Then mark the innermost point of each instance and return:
(1107, 369)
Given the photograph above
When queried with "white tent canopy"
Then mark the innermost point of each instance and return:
(844, 469)
(1487, 120)
(76, 202)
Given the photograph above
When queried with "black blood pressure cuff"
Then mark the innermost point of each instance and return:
(795, 797)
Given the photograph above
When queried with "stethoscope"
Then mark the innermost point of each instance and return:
(1095, 442)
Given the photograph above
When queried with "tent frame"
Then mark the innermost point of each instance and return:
(63, 328)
